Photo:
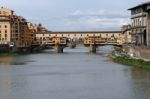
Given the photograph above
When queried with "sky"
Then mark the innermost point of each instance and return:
(74, 15)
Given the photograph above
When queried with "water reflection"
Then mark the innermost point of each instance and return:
(6, 60)
(141, 80)
(76, 74)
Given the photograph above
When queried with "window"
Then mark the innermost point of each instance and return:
(44, 38)
(5, 26)
(16, 31)
(113, 35)
(4, 12)
(5, 31)
(140, 23)
(5, 35)
(129, 33)
(0, 31)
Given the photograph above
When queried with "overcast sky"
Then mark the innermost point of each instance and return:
(73, 15)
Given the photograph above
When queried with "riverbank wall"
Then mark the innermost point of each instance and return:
(139, 52)
(122, 57)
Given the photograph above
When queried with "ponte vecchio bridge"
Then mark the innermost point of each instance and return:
(90, 39)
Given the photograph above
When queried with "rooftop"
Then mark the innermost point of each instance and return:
(78, 32)
(140, 5)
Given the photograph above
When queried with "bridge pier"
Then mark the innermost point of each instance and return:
(59, 49)
(92, 48)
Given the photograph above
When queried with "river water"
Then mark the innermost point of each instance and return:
(75, 74)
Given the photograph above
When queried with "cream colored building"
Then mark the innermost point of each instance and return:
(139, 18)
(126, 30)
(5, 25)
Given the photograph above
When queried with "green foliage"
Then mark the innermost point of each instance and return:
(118, 49)
(132, 62)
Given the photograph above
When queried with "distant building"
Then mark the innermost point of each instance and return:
(33, 29)
(126, 31)
(139, 25)
(42, 29)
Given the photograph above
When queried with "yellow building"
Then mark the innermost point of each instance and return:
(33, 28)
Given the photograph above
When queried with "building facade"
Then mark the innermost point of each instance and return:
(126, 31)
(139, 24)
(15, 29)
(5, 25)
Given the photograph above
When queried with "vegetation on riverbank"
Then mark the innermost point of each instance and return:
(119, 57)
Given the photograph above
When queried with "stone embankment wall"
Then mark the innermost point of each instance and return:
(138, 51)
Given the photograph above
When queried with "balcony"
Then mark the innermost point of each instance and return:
(138, 15)
(4, 18)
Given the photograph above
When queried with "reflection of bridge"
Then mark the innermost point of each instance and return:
(91, 40)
